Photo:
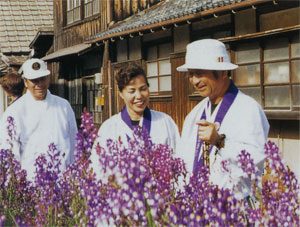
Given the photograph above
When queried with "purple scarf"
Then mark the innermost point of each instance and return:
(146, 121)
(225, 105)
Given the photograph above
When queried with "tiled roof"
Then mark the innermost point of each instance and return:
(168, 10)
(7, 61)
(19, 22)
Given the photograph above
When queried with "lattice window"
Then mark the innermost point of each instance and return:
(73, 11)
(91, 7)
(93, 96)
(75, 96)
(269, 71)
(159, 68)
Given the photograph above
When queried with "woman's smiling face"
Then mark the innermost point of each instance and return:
(136, 97)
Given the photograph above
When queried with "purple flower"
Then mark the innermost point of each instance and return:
(139, 187)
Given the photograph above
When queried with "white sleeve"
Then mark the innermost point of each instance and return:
(73, 132)
(4, 138)
(174, 135)
(187, 143)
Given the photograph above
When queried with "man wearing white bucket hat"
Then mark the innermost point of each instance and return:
(224, 123)
(40, 119)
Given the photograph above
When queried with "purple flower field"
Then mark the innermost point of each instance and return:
(143, 185)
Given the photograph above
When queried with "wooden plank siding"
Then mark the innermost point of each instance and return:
(179, 91)
(125, 8)
(163, 106)
(70, 35)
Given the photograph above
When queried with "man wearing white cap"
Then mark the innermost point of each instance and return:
(40, 119)
(224, 123)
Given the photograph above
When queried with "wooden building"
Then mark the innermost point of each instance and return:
(262, 37)
(80, 69)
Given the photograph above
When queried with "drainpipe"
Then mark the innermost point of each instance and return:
(107, 80)
(109, 89)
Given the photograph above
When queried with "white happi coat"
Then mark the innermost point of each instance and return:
(246, 128)
(37, 125)
(163, 131)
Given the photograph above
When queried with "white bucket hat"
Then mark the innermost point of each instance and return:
(34, 68)
(206, 54)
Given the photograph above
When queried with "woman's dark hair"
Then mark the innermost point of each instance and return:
(126, 74)
(13, 84)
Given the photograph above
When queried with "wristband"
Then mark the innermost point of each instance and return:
(220, 140)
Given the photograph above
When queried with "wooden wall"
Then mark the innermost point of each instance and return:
(69, 35)
(182, 103)
(125, 8)
(179, 91)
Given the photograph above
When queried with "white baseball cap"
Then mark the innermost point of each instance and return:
(34, 68)
(206, 54)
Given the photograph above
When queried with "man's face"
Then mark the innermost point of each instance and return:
(206, 83)
(38, 87)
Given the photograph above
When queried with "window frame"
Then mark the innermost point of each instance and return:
(72, 6)
(156, 44)
(262, 62)
(81, 6)
(75, 99)
(93, 90)
(94, 10)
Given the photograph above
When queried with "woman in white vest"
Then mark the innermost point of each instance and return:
(134, 90)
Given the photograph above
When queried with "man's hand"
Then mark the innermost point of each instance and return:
(208, 132)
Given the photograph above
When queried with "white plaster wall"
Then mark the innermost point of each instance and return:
(290, 149)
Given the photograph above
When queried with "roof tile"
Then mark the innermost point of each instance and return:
(168, 10)
(20, 20)
(5, 49)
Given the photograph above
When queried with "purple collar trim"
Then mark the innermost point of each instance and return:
(146, 120)
(225, 105)
(15, 99)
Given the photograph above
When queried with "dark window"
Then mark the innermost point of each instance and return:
(94, 99)
(75, 97)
